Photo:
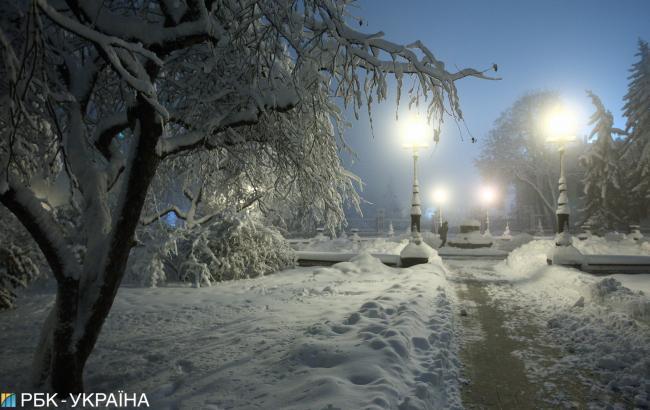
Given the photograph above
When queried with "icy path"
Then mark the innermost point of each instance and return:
(524, 344)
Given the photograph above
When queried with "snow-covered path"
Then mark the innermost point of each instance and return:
(357, 335)
(541, 336)
(496, 373)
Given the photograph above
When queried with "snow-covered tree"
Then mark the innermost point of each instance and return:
(515, 153)
(294, 169)
(602, 188)
(103, 92)
(637, 149)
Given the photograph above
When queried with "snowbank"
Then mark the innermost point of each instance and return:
(354, 335)
(595, 245)
(526, 265)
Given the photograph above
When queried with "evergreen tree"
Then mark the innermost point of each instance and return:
(637, 149)
(602, 188)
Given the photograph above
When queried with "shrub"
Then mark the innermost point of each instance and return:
(17, 269)
(239, 246)
(233, 246)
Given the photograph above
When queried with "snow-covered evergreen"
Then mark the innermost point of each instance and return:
(602, 189)
(637, 150)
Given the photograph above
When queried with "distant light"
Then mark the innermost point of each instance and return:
(440, 196)
(414, 132)
(560, 125)
(171, 219)
(488, 195)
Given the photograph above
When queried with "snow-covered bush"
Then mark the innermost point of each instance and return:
(238, 246)
(197, 272)
(152, 261)
(148, 268)
(17, 269)
(21, 261)
(233, 246)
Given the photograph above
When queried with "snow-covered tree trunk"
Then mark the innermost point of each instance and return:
(81, 308)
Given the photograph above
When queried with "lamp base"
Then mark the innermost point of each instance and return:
(417, 252)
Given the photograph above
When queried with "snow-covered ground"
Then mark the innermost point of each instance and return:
(600, 323)
(354, 335)
(357, 334)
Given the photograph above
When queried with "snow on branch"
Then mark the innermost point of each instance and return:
(119, 53)
(192, 22)
(148, 220)
(248, 115)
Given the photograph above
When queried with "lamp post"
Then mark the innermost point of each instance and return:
(560, 128)
(561, 132)
(487, 197)
(414, 139)
(417, 251)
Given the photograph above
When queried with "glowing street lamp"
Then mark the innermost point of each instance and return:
(488, 195)
(414, 135)
(560, 128)
(440, 198)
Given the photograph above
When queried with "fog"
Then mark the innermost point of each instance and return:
(565, 46)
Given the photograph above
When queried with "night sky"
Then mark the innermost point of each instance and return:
(562, 45)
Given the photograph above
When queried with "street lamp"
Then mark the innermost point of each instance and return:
(414, 134)
(487, 197)
(417, 251)
(560, 127)
(440, 198)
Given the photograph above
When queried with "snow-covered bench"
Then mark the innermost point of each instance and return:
(309, 258)
(571, 257)
(616, 263)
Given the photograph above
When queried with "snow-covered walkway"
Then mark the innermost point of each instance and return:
(496, 374)
(547, 336)
(351, 336)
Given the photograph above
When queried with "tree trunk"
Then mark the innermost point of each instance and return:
(143, 168)
(66, 371)
(79, 313)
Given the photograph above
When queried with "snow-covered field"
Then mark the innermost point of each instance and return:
(354, 335)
